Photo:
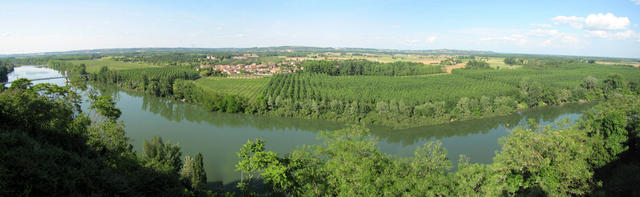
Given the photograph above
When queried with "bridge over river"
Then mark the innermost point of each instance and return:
(48, 78)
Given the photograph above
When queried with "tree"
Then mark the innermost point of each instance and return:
(105, 106)
(613, 83)
(161, 153)
(589, 83)
(510, 60)
(20, 84)
(551, 162)
(463, 107)
(193, 174)
(475, 64)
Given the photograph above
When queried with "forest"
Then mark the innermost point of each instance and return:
(5, 68)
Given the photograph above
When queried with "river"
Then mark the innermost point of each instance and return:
(218, 136)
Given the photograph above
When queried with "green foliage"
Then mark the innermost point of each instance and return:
(542, 162)
(193, 175)
(353, 167)
(475, 64)
(5, 68)
(155, 81)
(163, 155)
(20, 84)
(55, 151)
(551, 162)
(105, 106)
(363, 67)
(513, 61)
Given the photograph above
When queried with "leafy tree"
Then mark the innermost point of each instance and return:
(163, 154)
(20, 84)
(193, 174)
(105, 106)
(613, 83)
(590, 83)
(552, 162)
(475, 64)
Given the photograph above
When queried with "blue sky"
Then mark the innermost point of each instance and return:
(593, 28)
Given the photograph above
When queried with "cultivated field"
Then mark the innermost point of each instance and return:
(249, 88)
(95, 65)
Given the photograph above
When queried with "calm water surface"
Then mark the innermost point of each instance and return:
(218, 136)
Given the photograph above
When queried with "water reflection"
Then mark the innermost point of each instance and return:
(178, 111)
(543, 115)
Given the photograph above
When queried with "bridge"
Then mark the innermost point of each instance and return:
(47, 78)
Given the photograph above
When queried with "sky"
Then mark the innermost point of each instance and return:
(585, 28)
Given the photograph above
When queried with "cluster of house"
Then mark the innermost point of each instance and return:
(256, 69)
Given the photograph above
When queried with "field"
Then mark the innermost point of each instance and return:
(565, 76)
(94, 66)
(634, 64)
(413, 89)
(249, 88)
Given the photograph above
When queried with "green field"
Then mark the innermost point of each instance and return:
(249, 88)
(95, 65)
(411, 90)
(414, 90)
(564, 76)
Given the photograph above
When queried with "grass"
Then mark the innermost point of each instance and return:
(244, 87)
(94, 66)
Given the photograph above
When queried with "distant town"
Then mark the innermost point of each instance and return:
(261, 69)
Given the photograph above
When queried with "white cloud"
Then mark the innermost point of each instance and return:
(607, 26)
(626, 35)
(636, 1)
(621, 35)
(431, 39)
(544, 25)
(606, 21)
(598, 33)
(573, 21)
(598, 21)
(543, 32)
(539, 37)
(5, 34)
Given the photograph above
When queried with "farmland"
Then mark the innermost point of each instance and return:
(95, 64)
(248, 88)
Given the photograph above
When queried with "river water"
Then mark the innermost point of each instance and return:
(218, 136)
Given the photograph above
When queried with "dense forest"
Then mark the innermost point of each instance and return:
(5, 68)
(361, 67)
(52, 148)
(44, 125)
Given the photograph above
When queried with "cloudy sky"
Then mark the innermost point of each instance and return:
(593, 28)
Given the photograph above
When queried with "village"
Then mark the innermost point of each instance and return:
(262, 69)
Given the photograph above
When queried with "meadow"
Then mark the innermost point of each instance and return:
(248, 88)
(94, 65)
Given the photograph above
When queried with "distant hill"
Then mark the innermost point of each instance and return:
(298, 49)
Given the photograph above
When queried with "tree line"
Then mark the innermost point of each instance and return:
(364, 67)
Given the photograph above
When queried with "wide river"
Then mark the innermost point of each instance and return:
(218, 136)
